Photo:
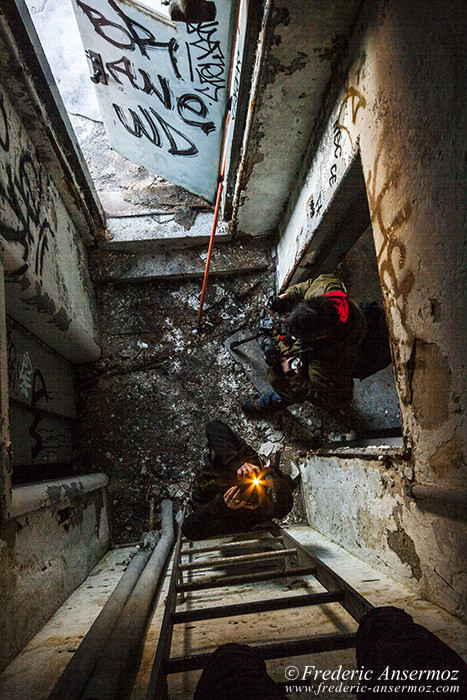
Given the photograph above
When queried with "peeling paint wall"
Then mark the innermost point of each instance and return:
(44, 556)
(401, 109)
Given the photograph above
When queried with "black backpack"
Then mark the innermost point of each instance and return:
(374, 352)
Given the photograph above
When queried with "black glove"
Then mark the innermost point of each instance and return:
(272, 354)
(278, 304)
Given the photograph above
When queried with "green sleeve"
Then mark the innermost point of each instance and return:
(298, 291)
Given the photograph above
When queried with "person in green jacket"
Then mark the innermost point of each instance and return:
(316, 360)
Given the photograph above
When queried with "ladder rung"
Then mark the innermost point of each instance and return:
(221, 545)
(257, 606)
(278, 650)
(241, 559)
(219, 581)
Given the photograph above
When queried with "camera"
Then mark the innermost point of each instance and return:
(272, 353)
(249, 492)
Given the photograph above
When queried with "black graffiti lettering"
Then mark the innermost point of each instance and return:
(210, 59)
(39, 389)
(171, 132)
(131, 36)
(213, 76)
(319, 203)
(42, 246)
(205, 32)
(150, 89)
(102, 26)
(4, 131)
(333, 178)
(22, 191)
(337, 136)
(175, 137)
(145, 39)
(139, 129)
(188, 105)
(122, 66)
(13, 363)
(194, 105)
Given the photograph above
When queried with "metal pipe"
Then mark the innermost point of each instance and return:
(257, 606)
(237, 343)
(437, 493)
(157, 688)
(111, 677)
(76, 674)
(25, 499)
(216, 562)
(225, 545)
(221, 581)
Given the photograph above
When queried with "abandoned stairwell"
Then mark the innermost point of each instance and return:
(292, 593)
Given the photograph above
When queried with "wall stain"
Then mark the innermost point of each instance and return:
(403, 545)
(447, 457)
(428, 368)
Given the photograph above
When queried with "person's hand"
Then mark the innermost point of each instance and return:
(233, 499)
(248, 470)
(278, 303)
(287, 367)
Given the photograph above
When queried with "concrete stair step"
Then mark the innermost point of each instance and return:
(108, 266)
(144, 231)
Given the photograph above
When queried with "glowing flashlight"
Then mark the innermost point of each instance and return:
(256, 481)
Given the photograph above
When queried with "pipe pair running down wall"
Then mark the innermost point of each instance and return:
(102, 666)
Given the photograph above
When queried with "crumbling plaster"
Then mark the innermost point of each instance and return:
(362, 506)
(44, 556)
(401, 110)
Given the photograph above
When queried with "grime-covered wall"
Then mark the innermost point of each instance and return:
(52, 531)
(44, 556)
(47, 282)
(401, 112)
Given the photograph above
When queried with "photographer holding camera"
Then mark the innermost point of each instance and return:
(313, 356)
(236, 491)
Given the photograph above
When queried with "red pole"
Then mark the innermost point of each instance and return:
(211, 246)
(221, 182)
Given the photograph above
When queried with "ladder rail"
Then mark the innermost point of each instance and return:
(287, 603)
(354, 603)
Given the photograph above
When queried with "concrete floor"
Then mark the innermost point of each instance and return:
(34, 672)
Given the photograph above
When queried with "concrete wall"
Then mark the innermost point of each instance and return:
(46, 277)
(44, 556)
(401, 109)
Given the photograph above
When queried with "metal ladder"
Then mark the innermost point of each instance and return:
(307, 564)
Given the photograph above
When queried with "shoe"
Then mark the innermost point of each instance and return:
(252, 408)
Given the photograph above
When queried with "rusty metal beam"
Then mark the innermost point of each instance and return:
(220, 581)
(257, 606)
(216, 562)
